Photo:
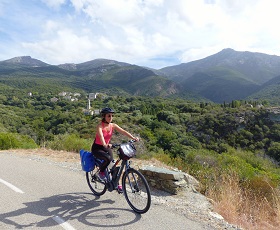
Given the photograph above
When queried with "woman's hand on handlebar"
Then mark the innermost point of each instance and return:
(109, 146)
(136, 139)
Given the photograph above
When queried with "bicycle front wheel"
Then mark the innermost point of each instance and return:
(136, 191)
(96, 186)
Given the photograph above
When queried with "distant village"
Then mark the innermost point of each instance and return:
(75, 97)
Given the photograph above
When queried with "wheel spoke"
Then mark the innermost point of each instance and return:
(137, 192)
(96, 186)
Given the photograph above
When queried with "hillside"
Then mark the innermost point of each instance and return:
(24, 73)
(220, 85)
(268, 91)
(255, 67)
(23, 61)
(227, 75)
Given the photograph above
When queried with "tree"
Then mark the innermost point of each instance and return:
(274, 151)
(165, 138)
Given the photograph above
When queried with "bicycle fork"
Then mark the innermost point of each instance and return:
(135, 187)
(131, 180)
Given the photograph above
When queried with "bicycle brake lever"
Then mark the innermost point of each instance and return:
(114, 146)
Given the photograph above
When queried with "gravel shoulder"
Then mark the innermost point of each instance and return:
(191, 204)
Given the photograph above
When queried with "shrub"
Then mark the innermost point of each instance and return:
(274, 151)
(16, 141)
(69, 142)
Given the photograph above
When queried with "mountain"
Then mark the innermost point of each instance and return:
(255, 67)
(225, 76)
(100, 75)
(92, 64)
(22, 61)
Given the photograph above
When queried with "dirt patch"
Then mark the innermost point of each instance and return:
(60, 156)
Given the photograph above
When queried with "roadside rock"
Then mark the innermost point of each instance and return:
(168, 180)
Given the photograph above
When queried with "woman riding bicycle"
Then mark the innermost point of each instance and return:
(101, 147)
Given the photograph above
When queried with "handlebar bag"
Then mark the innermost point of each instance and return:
(87, 160)
(127, 151)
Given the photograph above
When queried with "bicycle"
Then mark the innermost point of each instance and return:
(134, 185)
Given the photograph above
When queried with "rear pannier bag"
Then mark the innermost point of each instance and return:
(87, 160)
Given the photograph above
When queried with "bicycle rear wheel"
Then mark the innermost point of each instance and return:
(96, 186)
(136, 191)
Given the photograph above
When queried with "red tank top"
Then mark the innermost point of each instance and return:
(106, 134)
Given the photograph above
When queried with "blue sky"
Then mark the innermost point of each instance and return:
(152, 33)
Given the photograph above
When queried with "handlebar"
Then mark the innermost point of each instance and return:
(117, 145)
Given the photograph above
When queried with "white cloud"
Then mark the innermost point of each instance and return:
(54, 3)
(65, 47)
(153, 32)
(117, 13)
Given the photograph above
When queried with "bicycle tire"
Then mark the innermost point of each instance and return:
(136, 191)
(97, 187)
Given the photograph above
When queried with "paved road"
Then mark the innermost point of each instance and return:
(37, 194)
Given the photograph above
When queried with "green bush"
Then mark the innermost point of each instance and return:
(69, 142)
(16, 141)
(274, 151)
(232, 162)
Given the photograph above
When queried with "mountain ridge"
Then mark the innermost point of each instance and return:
(26, 61)
(224, 76)
(235, 60)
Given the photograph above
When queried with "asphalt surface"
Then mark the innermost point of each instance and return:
(37, 194)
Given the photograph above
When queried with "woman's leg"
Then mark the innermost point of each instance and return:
(104, 154)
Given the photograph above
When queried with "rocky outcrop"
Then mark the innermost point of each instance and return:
(170, 181)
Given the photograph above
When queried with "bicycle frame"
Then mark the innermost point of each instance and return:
(112, 183)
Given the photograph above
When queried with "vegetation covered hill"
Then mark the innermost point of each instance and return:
(255, 67)
(228, 75)
(220, 84)
(26, 61)
(95, 76)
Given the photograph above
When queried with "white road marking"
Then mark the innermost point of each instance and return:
(62, 223)
(11, 186)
